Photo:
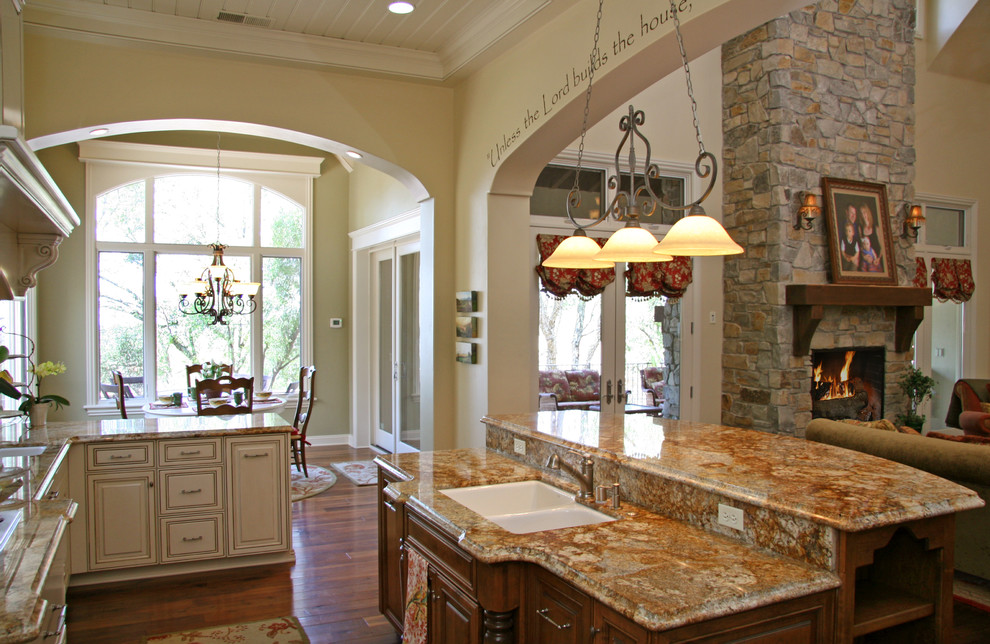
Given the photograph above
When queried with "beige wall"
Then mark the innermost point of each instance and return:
(953, 155)
(375, 197)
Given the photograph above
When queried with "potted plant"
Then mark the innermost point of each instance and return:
(36, 406)
(918, 387)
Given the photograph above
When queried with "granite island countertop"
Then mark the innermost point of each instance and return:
(660, 572)
(29, 553)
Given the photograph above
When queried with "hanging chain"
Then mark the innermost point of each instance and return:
(687, 75)
(218, 187)
(587, 95)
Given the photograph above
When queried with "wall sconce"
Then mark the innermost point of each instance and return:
(913, 221)
(808, 212)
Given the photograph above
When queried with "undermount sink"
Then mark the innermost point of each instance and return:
(526, 506)
(26, 450)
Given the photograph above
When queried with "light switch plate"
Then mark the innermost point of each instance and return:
(730, 517)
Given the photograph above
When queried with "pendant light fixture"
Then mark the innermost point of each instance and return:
(694, 235)
(217, 294)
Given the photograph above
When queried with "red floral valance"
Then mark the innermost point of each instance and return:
(586, 283)
(920, 273)
(952, 279)
(653, 279)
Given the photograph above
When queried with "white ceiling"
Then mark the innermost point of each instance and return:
(434, 42)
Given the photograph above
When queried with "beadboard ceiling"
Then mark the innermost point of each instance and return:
(434, 42)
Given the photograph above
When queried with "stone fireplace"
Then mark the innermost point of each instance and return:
(827, 90)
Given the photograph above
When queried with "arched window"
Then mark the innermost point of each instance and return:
(152, 224)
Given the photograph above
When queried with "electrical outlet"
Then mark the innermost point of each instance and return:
(730, 517)
(519, 446)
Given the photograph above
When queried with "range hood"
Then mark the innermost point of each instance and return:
(34, 216)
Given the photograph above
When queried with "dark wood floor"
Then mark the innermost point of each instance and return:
(332, 588)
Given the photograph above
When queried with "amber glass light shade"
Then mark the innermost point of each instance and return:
(577, 251)
(632, 244)
(697, 235)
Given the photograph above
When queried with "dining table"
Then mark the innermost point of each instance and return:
(186, 408)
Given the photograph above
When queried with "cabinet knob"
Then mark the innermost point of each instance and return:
(545, 614)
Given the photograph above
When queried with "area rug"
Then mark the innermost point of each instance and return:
(278, 630)
(358, 472)
(972, 591)
(319, 480)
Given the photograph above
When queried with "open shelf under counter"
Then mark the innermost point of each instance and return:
(809, 302)
(879, 606)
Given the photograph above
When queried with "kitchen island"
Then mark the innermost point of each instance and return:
(140, 498)
(831, 544)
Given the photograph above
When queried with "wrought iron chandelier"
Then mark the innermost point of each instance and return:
(217, 294)
(696, 234)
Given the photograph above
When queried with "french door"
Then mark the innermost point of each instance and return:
(395, 348)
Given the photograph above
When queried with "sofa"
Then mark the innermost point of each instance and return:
(962, 459)
(569, 389)
(969, 407)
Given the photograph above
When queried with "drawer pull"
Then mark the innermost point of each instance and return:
(188, 539)
(390, 506)
(545, 614)
(192, 491)
(51, 496)
(262, 455)
(192, 453)
(118, 457)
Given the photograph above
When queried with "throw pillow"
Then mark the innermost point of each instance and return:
(970, 401)
(904, 429)
(882, 424)
(985, 407)
(974, 440)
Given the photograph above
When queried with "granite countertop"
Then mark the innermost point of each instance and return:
(657, 571)
(839, 488)
(29, 553)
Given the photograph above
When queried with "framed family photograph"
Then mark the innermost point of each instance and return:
(861, 248)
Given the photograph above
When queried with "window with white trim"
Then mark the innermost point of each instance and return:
(153, 212)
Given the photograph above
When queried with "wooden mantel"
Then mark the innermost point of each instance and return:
(809, 302)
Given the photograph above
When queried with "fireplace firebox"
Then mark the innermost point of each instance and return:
(848, 383)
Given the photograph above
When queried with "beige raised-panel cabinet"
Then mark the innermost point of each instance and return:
(258, 494)
(121, 519)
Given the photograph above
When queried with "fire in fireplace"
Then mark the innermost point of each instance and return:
(848, 383)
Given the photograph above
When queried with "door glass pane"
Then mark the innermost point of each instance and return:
(945, 227)
(570, 332)
(946, 323)
(281, 221)
(185, 210)
(120, 214)
(13, 329)
(120, 319)
(281, 285)
(652, 352)
(189, 339)
(408, 306)
(385, 348)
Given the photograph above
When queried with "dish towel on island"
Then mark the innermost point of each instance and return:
(414, 622)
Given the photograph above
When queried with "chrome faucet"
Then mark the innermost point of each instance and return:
(585, 476)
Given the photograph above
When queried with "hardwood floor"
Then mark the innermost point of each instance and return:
(332, 588)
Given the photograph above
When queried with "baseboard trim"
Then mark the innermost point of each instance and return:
(329, 440)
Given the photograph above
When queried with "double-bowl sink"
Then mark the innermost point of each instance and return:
(522, 507)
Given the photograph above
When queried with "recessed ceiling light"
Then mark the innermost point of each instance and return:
(100, 131)
(354, 154)
(401, 7)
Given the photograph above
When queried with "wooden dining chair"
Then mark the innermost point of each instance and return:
(207, 388)
(197, 370)
(300, 422)
(120, 397)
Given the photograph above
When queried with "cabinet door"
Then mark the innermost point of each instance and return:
(258, 495)
(556, 612)
(613, 628)
(391, 557)
(121, 520)
(454, 617)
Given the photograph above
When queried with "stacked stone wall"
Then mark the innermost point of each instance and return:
(824, 91)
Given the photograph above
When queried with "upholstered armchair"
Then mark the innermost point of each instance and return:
(969, 407)
(652, 381)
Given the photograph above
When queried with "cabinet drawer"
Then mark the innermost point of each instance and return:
(112, 456)
(441, 552)
(190, 491)
(189, 452)
(184, 538)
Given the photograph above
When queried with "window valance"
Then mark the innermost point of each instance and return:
(586, 283)
(952, 279)
(653, 279)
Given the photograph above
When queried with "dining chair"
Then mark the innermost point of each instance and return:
(300, 422)
(197, 369)
(118, 381)
(207, 388)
